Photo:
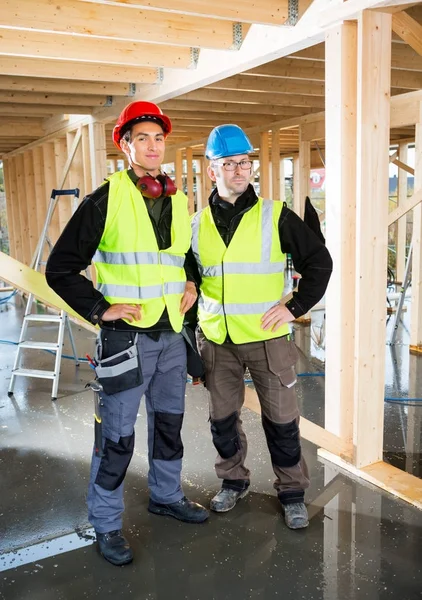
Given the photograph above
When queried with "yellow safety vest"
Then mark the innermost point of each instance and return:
(130, 267)
(242, 281)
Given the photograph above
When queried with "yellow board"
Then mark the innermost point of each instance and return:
(32, 282)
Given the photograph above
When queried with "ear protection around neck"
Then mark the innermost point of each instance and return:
(154, 187)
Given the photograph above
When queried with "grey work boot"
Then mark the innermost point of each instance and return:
(226, 499)
(295, 515)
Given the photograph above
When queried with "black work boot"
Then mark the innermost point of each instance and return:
(184, 510)
(114, 547)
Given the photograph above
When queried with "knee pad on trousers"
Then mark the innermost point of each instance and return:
(283, 442)
(115, 462)
(225, 436)
(167, 440)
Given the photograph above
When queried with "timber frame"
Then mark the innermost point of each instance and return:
(327, 83)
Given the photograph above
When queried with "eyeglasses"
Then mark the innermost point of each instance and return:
(231, 165)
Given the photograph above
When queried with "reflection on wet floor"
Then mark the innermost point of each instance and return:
(361, 542)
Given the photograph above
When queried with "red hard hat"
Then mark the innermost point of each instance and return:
(135, 110)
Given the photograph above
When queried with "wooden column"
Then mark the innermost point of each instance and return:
(40, 191)
(296, 185)
(199, 184)
(304, 175)
(63, 208)
(11, 207)
(275, 165)
(89, 185)
(189, 179)
(31, 201)
(416, 316)
(76, 171)
(98, 152)
(282, 181)
(50, 179)
(373, 135)
(401, 223)
(178, 167)
(340, 210)
(264, 165)
(23, 209)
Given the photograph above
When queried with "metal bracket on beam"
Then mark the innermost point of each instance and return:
(237, 36)
(194, 57)
(109, 101)
(293, 12)
(160, 75)
(132, 89)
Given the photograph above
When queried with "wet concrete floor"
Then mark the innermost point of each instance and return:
(361, 543)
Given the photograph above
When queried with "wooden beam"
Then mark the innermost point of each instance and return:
(189, 180)
(14, 109)
(340, 214)
(66, 69)
(264, 165)
(269, 85)
(373, 130)
(304, 177)
(409, 30)
(265, 11)
(31, 201)
(36, 44)
(11, 209)
(405, 109)
(88, 20)
(406, 207)
(178, 168)
(394, 481)
(402, 223)
(291, 69)
(416, 316)
(275, 166)
(215, 95)
(59, 99)
(13, 129)
(52, 86)
(192, 106)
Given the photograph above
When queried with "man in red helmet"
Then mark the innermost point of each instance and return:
(135, 229)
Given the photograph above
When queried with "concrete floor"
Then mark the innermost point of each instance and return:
(361, 542)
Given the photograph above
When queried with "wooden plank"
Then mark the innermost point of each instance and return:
(409, 30)
(98, 152)
(178, 168)
(58, 99)
(214, 95)
(308, 430)
(416, 316)
(313, 131)
(373, 131)
(13, 182)
(405, 109)
(62, 86)
(404, 208)
(340, 214)
(189, 180)
(304, 178)
(269, 85)
(40, 192)
(51, 182)
(15, 130)
(275, 165)
(31, 201)
(403, 167)
(13, 109)
(23, 210)
(67, 69)
(9, 209)
(88, 21)
(402, 223)
(188, 107)
(32, 282)
(394, 481)
(40, 44)
(264, 165)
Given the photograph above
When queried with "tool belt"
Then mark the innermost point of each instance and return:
(118, 366)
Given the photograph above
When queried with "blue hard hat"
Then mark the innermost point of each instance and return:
(227, 140)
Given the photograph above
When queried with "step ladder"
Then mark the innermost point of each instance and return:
(407, 280)
(61, 319)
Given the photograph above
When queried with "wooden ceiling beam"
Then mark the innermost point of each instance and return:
(66, 69)
(36, 44)
(267, 12)
(59, 99)
(189, 106)
(409, 30)
(62, 86)
(119, 23)
(11, 108)
(24, 130)
(269, 84)
(311, 70)
(215, 95)
(209, 116)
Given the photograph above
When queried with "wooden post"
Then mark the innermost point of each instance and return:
(199, 183)
(304, 175)
(340, 210)
(296, 185)
(11, 209)
(282, 181)
(178, 168)
(31, 201)
(98, 152)
(373, 136)
(40, 191)
(401, 223)
(89, 185)
(416, 316)
(275, 164)
(264, 165)
(50, 184)
(63, 208)
(189, 180)
(23, 209)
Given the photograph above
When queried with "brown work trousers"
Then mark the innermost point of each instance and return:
(271, 366)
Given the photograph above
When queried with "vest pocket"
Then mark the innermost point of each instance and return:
(281, 356)
(118, 365)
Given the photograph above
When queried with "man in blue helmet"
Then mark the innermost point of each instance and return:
(240, 242)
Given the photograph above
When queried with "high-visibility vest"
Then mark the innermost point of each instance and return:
(242, 281)
(130, 267)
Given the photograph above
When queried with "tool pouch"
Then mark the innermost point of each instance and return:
(118, 365)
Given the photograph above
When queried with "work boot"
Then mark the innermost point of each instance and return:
(295, 515)
(184, 510)
(114, 547)
(226, 499)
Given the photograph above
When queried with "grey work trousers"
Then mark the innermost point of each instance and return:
(271, 365)
(163, 365)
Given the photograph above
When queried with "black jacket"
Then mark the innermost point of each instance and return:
(75, 248)
(309, 255)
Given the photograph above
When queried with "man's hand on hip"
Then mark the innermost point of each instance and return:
(275, 317)
(188, 298)
(131, 312)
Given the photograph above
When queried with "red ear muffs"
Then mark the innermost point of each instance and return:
(154, 187)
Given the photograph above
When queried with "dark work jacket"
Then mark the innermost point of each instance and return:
(77, 245)
(309, 255)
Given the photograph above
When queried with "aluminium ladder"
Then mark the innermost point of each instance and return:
(62, 319)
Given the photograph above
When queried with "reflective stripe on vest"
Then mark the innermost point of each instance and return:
(138, 258)
(146, 292)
